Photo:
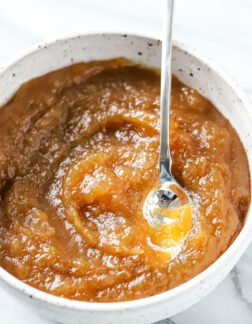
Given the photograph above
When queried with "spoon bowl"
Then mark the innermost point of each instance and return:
(166, 195)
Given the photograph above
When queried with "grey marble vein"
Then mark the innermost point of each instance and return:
(166, 321)
(238, 289)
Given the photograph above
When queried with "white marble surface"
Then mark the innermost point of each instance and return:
(220, 28)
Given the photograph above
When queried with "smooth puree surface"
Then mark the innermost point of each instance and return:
(78, 155)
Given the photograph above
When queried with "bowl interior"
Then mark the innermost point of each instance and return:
(192, 69)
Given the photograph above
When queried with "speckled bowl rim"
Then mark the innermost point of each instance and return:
(237, 248)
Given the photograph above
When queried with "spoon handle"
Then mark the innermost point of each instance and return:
(164, 153)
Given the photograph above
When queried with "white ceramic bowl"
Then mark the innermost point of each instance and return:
(194, 70)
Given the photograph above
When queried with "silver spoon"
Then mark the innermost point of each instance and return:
(168, 194)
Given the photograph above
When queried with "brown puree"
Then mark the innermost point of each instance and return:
(78, 155)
